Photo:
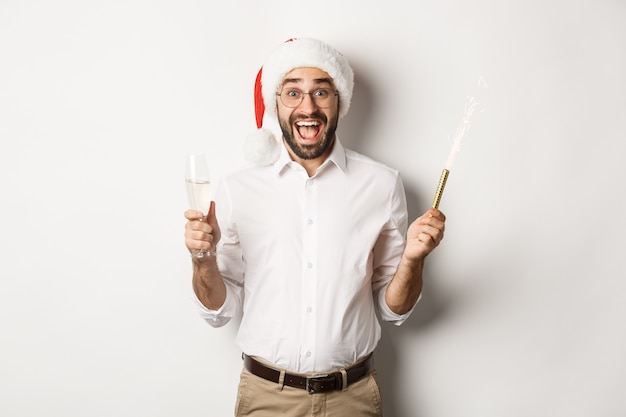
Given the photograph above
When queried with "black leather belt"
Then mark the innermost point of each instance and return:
(316, 384)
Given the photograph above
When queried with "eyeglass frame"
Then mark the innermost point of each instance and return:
(310, 93)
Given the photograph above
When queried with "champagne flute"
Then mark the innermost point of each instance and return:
(198, 183)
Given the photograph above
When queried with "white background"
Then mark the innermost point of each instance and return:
(523, 310)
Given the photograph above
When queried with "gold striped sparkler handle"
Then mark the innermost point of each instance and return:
(442, 184)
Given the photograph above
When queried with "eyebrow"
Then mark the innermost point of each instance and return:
(316, 81)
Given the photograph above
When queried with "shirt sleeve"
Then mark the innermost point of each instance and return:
(387, 314)
(388, 252)
(221, 316)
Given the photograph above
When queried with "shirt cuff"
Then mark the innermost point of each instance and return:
(388, 315)
(216, 318)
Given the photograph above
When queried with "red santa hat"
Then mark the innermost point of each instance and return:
(261, 146)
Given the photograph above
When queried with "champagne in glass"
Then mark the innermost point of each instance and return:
(198, 183)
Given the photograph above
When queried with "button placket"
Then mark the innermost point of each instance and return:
(309, 275)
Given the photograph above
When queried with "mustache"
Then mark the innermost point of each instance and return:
(315, 115)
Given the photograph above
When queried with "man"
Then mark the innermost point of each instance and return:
(310, 242)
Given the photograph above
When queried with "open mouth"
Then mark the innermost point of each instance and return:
(308, 130)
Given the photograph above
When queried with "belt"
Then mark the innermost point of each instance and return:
(315, 384)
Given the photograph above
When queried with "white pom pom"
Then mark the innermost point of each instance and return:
(261, 147)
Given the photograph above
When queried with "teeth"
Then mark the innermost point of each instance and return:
(307, 123)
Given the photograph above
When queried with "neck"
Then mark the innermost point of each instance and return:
(311, 165)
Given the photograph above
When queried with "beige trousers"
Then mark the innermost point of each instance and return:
(258, 397)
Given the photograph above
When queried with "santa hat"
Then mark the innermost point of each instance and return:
(262, 146)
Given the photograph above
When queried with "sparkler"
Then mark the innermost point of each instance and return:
(463, 127)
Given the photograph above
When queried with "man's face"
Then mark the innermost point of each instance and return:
(308, 129)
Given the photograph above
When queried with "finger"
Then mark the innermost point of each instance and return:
(193, 214)
(199, 235)
(434, 228)
(194, 245)
(434, 213)
(432, 233)
(424, 237)
(435, 220)
(197, 226)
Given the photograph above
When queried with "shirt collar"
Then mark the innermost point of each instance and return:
(337, 156)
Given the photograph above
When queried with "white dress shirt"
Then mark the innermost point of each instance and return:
(309, 259)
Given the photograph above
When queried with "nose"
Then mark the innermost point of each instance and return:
(307, 102)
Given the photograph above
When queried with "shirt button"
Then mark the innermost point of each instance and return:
(308, 353)
(309, 309)
(310, 221)
(309, 265)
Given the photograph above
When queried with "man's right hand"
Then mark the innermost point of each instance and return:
(201, 233)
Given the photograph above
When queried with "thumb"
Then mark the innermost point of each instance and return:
(211, 219)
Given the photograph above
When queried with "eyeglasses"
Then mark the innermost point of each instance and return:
(322, 97)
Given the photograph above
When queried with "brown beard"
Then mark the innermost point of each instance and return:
(309, 151)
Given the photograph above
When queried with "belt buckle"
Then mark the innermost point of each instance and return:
(316, 384)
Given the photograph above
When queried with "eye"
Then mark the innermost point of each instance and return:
(293, 93)
(321, 93)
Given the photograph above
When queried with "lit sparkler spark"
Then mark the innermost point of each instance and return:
(470, 108)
